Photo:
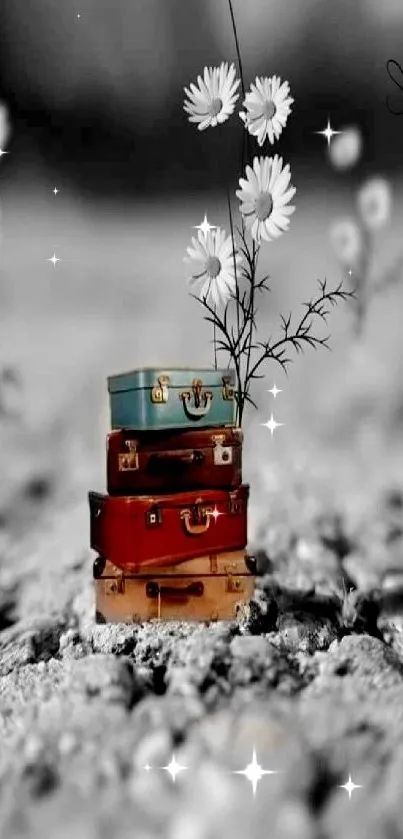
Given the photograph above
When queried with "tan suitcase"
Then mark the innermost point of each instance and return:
(208, 588)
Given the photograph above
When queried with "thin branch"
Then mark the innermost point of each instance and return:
(302, 335)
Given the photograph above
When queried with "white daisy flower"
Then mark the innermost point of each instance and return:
(268, 106)
(213, 101)
(374, 203)
(214, 275)
(345, 149)
(264, 196)
(346, 238)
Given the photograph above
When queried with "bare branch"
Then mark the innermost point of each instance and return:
(302, 335)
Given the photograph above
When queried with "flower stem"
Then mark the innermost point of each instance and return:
(245, 136)
(234, 255)
(238, 51)
(255, 254)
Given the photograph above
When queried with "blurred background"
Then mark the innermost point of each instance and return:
(94, 92)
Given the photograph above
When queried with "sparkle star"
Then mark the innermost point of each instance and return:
(271, 424)
(147, 767)
(174, 768)
(350, 272)
(3, 152)
(54, 259)
(254, 773)
(328, 132)
(274, 390)
(215, 513)
(205, 226)
(78, 17)
(55, 190)
(350, 786)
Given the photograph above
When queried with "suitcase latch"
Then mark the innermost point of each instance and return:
(159, 393)
(129, 461)
(235, 504)
(234, 584)
(115, 586)
(222, 455)
(154, 516)
(213, 564)
(227, 388)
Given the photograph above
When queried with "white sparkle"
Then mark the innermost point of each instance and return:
(271, 424)
(350, 272)
(215, 513)
(328, 132)
(254, 773)
(350, 786)
(55, 190)
(174, 768)
(54, 259)
(274, 390)
(78, 17)
(147, 767)
(205, 226)
(3, 152)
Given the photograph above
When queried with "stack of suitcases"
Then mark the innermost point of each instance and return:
(171, 533)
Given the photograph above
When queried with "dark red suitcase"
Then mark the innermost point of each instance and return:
(139, 532)
(167, 461)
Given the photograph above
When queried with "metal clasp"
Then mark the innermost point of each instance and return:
(129, 461)
(159, 393)
(234, 583)
(154, 516)
(222, 455)
(235, 503)
(115, 586)
(228, 391)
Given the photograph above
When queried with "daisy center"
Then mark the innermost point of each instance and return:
(269, 109)
(263, 205)
(215, 107)
(213, 267)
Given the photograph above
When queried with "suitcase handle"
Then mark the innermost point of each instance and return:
(154, 590)
(196, 528)
(197, 402)
(184, 456)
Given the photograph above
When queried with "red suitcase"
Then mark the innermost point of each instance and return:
(167, 461)
(139, 532)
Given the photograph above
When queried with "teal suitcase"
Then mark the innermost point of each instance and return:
(157, 399)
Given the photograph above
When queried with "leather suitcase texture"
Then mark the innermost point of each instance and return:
(162, 461)
(139, 532)
(158, 399)
(209, 588)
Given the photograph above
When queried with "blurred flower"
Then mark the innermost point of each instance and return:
(267, 107)
(374, 203)
(5, 128)
(214, 99)
(264, 195)
(346, 239)
(345, 149)
(214, 255)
